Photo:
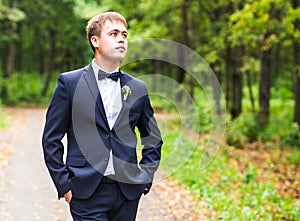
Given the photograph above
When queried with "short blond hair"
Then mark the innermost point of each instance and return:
(95, 25)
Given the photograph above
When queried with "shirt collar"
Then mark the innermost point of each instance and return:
(96, 69)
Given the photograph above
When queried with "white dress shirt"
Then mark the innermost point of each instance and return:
(110, 92)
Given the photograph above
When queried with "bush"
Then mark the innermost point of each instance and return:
(280, 127)
(23, 89)
(241, 130)
(292, 137)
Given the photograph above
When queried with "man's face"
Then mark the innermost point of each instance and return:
(112, 43)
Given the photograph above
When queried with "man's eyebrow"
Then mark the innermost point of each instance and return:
(118, 30)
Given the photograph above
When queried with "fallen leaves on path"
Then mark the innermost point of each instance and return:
(6, 139)
(4, 154)
(273, 161)
(182, 204)
(8, 136)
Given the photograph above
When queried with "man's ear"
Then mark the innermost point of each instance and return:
(95, 41)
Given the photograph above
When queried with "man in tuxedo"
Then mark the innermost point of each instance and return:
(98, 108)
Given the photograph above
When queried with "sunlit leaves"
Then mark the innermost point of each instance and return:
(9, 17)
(86, 9)
(253, 21)
(11, 14)
(292, 16)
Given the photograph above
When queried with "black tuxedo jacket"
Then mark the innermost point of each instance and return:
(76, 110)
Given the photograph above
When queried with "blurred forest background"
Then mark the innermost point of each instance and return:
(253, 46)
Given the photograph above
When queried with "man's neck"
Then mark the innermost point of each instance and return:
(105, 65)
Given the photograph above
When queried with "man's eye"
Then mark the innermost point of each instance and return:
(114, 33)
(125, 35)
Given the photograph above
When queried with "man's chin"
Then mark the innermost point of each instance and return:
(119, 58)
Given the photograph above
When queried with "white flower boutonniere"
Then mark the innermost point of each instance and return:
(126, 91)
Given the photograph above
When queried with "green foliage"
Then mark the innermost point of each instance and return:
(86, 9)
(4, 119)
(8, 18)
(294, 157)
(241, 130)
(280, 128)
(203, 114)
(280, 124)
(292, 137)
(254, 20)
(212, 27)
(161, 104)
(11, 14)
(231, 193)
(25, 89)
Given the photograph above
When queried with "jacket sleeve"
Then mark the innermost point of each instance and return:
(150, 138)
(56, 126)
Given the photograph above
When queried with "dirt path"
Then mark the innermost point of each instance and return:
(26, 189)
(27, 193)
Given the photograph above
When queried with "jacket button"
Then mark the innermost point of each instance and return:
(111, 134)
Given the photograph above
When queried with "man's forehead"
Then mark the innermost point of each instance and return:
(115, 24)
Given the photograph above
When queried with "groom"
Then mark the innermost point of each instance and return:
(98, 108)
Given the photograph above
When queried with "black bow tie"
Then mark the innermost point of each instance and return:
(114, 76)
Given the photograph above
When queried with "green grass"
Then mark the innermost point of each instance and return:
(4, 119)
(231, 193)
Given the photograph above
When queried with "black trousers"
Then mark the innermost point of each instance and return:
(106, 204)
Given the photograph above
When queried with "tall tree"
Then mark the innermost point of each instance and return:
(10, 16)
(185, 40)
(296, 69)
(237, 81)
(53, 38)
(266, 71)
(258, 22)
(11, 47)
(235, 52)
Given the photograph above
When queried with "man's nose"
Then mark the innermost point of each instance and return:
(121, 38)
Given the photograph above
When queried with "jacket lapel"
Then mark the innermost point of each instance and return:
(93, 87)
(124, 79)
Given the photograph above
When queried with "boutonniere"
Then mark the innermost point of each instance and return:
(126, 91)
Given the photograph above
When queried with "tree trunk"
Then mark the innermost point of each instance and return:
(237, 82)
(265, 88)
(234, 77)
(185, 41)
(296, 71)
(217, 93)
(4, 47)
(234, 80)
(266, 78)
(51, 62)
(249, 84)
(11, 49)
(228, 65)
(40, 51)
(3, 85)
(19, 46)
(296, 77)
(10, 57)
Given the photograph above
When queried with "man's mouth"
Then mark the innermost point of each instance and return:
(122, 48)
